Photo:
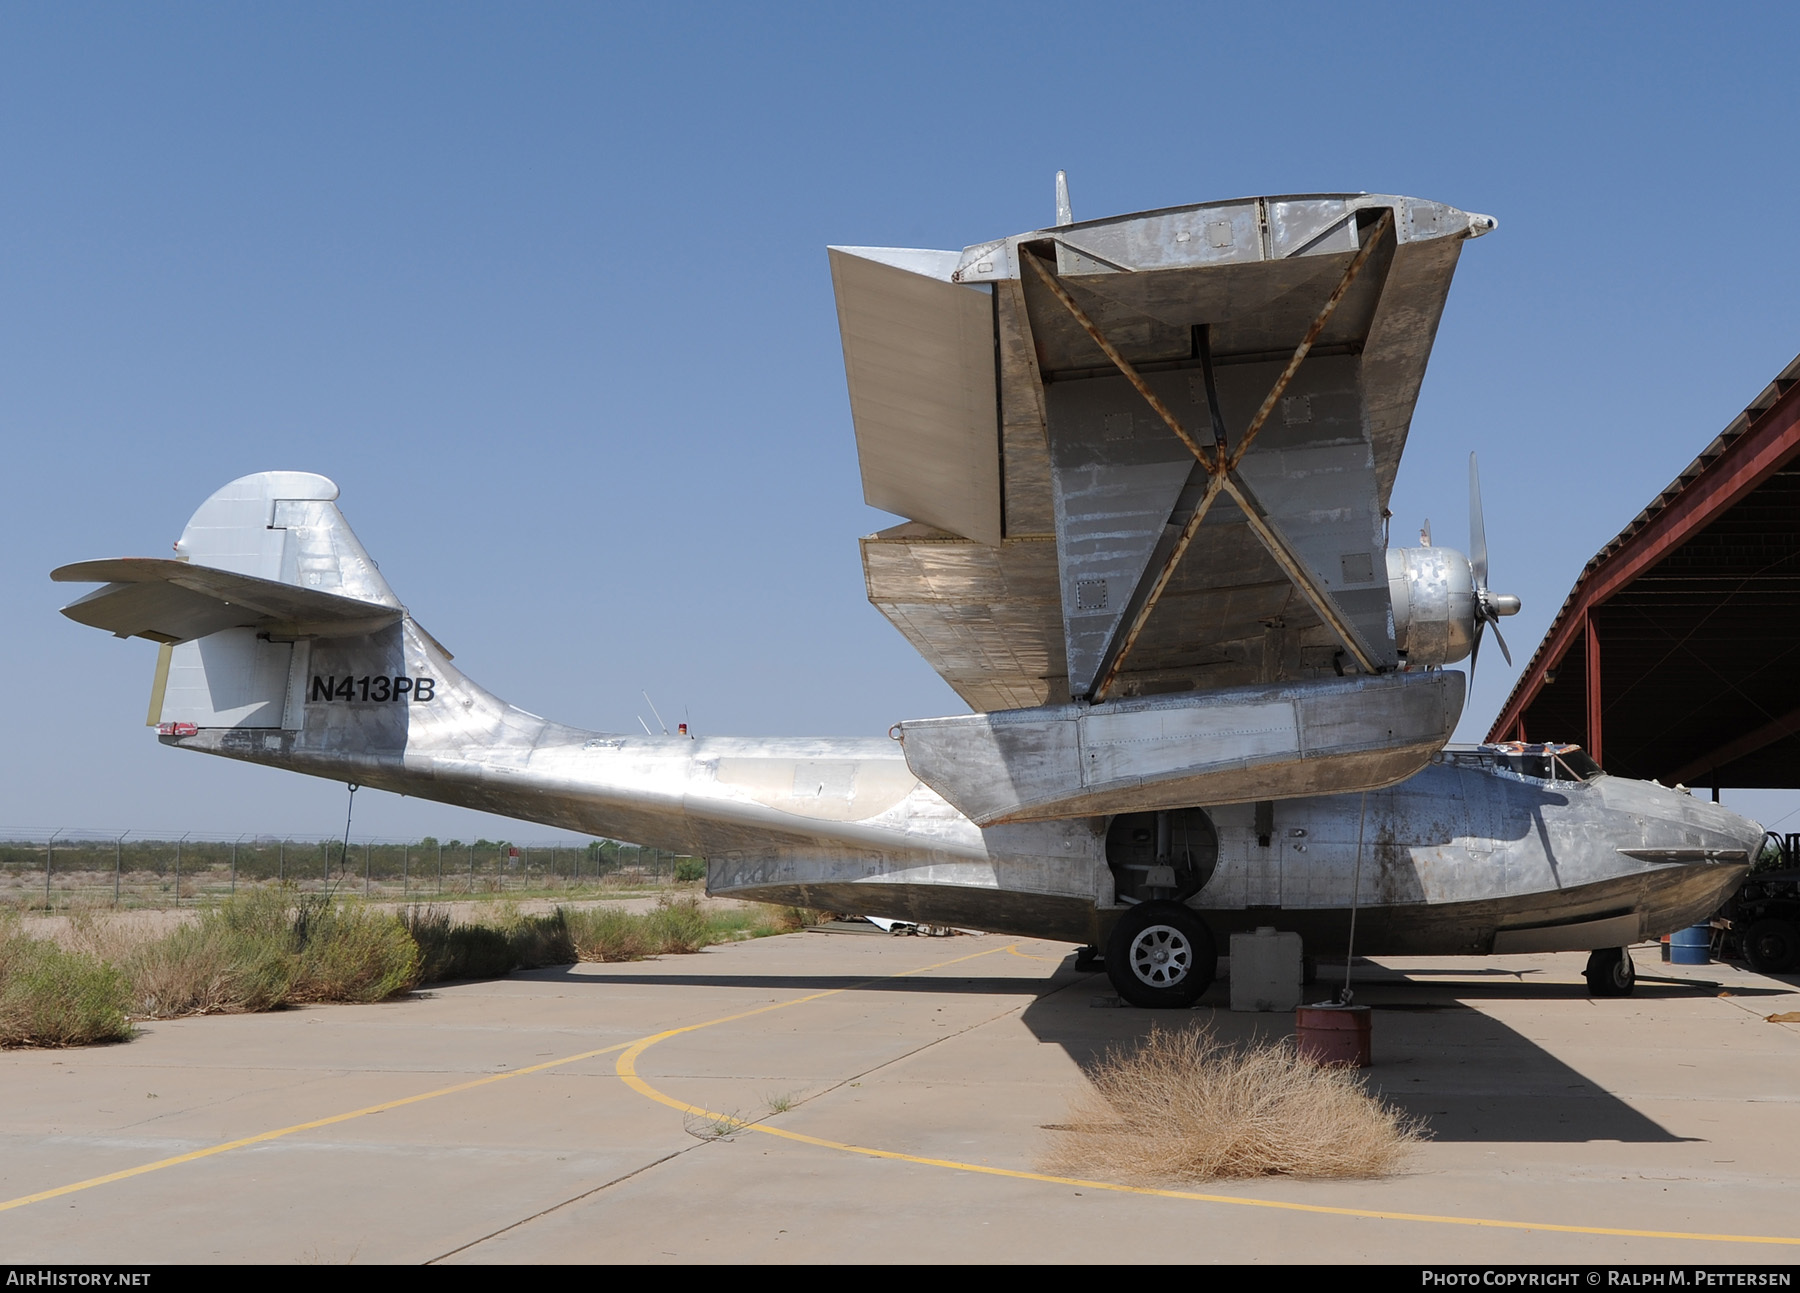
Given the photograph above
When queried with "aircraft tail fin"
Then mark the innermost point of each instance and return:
(284, 526)
(265, 567)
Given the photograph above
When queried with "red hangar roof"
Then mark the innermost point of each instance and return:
(1677, 653)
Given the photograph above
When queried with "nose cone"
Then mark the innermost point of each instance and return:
(1691, 855)
(1682, 827)
(1733, 831)
(1752, 834)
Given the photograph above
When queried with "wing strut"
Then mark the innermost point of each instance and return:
(1222, 468)
(1123, 364)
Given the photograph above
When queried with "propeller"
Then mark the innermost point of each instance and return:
(1489, 606)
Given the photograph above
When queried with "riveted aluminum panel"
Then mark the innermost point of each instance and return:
(228, 679)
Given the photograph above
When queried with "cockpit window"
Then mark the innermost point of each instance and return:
(1542, 762)
(1576, 765)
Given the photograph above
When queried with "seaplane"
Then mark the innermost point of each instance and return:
(1143, 465)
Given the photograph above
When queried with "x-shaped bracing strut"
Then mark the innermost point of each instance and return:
(1221, 467)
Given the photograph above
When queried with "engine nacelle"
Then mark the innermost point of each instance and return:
(1433, 592)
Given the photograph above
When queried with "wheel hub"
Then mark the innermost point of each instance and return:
(1161, 956)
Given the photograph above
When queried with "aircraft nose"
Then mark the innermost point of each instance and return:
(1753, 836)
(1736, 832)
(1686, 826)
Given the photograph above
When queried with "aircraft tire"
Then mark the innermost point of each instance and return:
(1772, 945)
(1161, 956)
(1610, 972)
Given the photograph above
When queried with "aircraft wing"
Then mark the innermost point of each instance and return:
(1146, 454)
(174, 601)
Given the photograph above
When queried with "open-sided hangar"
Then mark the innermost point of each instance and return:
(1675, 655)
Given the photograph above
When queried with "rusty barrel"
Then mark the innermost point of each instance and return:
(1333, 1034)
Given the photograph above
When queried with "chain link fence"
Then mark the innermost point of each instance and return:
(85, 868)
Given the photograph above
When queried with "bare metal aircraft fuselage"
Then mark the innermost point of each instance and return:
(1468, 856)
(1145, 464)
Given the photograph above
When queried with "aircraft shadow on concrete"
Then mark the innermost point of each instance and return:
(1464, 1074)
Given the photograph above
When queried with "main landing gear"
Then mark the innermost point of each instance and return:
(1610, 972)
(1161, 955)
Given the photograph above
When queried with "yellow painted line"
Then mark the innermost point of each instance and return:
(277, 1134)
(626, 1066)
(627, 1061)
(262, 1137)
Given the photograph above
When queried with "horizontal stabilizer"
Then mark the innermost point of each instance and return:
(176, 601)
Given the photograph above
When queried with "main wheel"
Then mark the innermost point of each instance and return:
(1161, 955)
(1610, 972)
(1771, 945)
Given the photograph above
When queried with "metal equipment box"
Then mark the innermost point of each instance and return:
(1265, 970)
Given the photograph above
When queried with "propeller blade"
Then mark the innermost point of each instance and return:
(1474, 651)
(1477, 529)
(1502, 642)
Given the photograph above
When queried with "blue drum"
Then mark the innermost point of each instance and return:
(1691, 946)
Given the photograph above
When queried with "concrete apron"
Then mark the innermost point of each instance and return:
(1668, 1111)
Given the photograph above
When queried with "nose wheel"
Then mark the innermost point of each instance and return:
(1610, 972)
(1161, 956)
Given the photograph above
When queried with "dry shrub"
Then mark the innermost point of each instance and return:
(51, 996)
(516, 941)
(448, 951)
(682, 925)
(764, 919)
(537, 941)
(1183, 1106)
(239, 956)
(676, 925)
(207, 969)
(611, 934)
(265, 949)
(352, 954)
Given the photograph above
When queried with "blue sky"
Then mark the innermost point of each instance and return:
(544, 289)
